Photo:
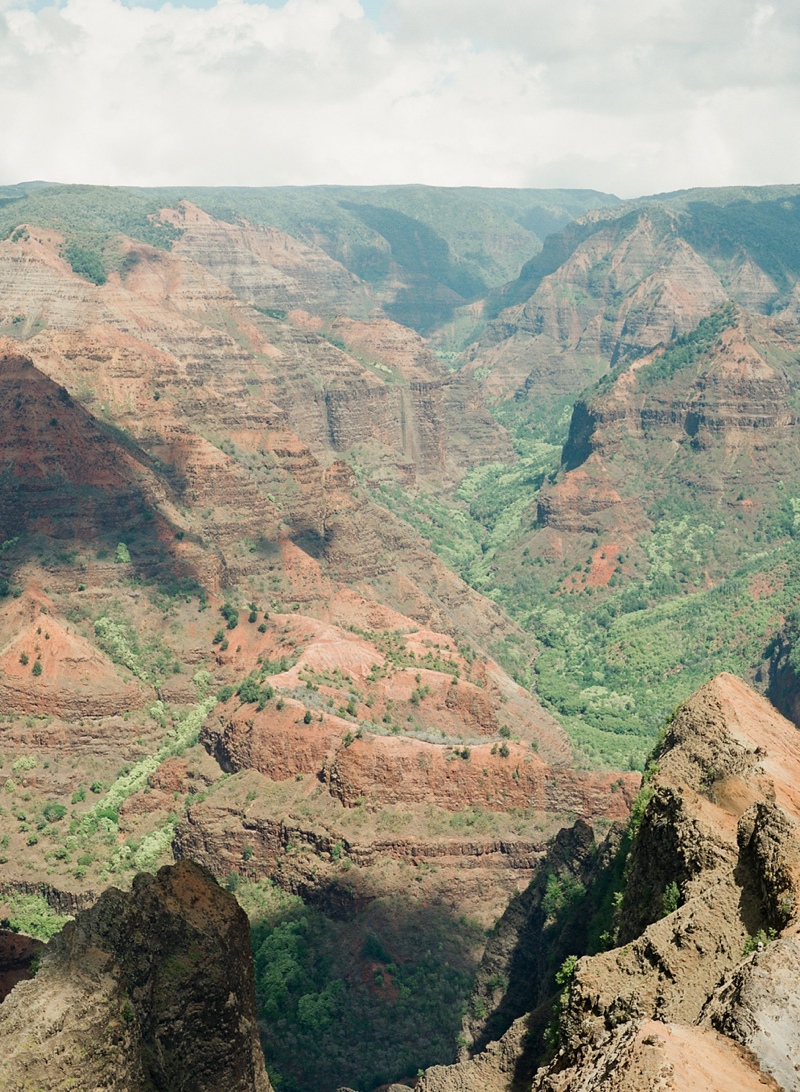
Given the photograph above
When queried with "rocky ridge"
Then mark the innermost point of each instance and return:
(631, 285)
(686, 999)
(711, 432)
(244, 415)
(148, 989)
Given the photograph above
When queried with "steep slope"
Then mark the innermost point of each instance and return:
(143, 353)
(266, 267)
(632, 285)
(150, 989)
(716, 417)
(445, 423)
(75, 678)
(618, 283)
(675, 492)
(710, 879)
(67, 477)
(18, 954)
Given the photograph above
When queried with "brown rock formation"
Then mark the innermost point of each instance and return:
(587, 500)
(51, 448)
(715, 859)
(265, 266)
(630, 286)
(444, 423)
(384, 770)
(176, 359)
(151, 989)
(719, 431)
(732, 393)
(649, 1054)
(76, 678)
(758, 1006)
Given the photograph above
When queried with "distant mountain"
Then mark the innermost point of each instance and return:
(655, 346)
(422, 250)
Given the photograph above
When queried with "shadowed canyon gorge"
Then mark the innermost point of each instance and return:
(399, 639)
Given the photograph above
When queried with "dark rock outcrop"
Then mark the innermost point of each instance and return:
(18, 954)
(152, 989)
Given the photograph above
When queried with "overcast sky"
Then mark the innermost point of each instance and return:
(627, 96)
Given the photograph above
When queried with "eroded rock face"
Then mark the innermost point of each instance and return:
(383, 770)
(61, 467)
(540, 927)
(727, 417)
(714, 861)
(630, 286)
(646, 1055)
(266, 266)
(390, 770)
(148, 989)
(759, 1006)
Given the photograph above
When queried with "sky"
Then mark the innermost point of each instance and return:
(626, 96)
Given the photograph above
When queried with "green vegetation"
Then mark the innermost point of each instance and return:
(184, 735)
(643, 798)
(148, 658)
(671, 898)
(614, 678)
(230, 614)
(361, 1002)
(144, 855)
(705, 591)
(764, 223)
(87, 263)
(486, 514)
(32, 914)
(561, 893)
(566, 972)
(250, 690)
(90, 217)
(759, 940)
(688, 349)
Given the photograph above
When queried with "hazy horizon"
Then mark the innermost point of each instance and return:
(189, 185)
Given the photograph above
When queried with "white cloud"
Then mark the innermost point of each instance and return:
(611, 94)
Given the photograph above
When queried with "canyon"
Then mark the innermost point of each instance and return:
(357, 575)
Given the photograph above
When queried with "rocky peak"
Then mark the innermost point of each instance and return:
(631, 286)
(152, 989)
